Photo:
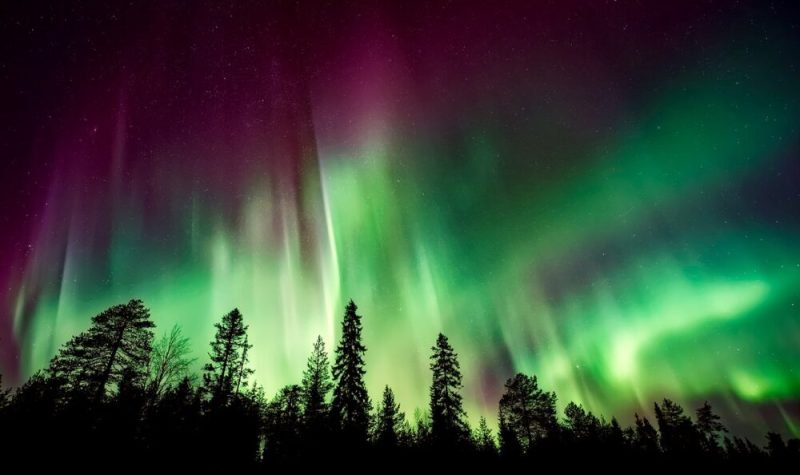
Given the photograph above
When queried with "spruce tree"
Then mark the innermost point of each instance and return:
(228, 367)
(484, 439)
(350, 406)
(389, 421)
(315, 388)
(316, 384)
(448, 424)
(117, 343)
(421, 431)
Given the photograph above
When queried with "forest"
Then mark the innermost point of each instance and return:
(117, 396)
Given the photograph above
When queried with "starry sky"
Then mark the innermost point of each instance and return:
(604, 194)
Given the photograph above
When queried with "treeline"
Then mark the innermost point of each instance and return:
(115, 397)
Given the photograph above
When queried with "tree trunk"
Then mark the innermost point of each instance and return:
(101, 387)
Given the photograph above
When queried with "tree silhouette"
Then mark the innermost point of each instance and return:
(646, 436)
(234, 430)
(107, 399)
(422, 429)
(118, 342)
(484, 439)
(4, 394)
(448, 425)
(231, 422)
(679, 436)
(228, 366)
(710, 428)
(527, 414)
(284, 419)
(350, 406)
(780, 451)
(613, 437)
(35, 411)
(119, 428)
(388, 422)
(583, 426)
(174, 422)
(629, 436)
(743, 450)
(510, 447)
(315, 388)
(243, 371)
(169, 362)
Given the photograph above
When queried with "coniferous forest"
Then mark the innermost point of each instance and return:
(572, 228)
(117, 396)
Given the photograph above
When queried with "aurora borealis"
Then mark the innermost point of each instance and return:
(604, 194)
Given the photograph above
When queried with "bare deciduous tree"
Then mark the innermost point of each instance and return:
(169, 362)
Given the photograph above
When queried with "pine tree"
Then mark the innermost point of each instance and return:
(243, 371)
(118, 342)
(389, 421)
(448, 425)
(350, 406)
(316, 386)
(527, 414)
(228, 367)
(710, 427)
(583, 425)
(679, 436)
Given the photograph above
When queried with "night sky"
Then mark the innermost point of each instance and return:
(604, 194)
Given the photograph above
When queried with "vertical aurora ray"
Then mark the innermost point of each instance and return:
(623, 246)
